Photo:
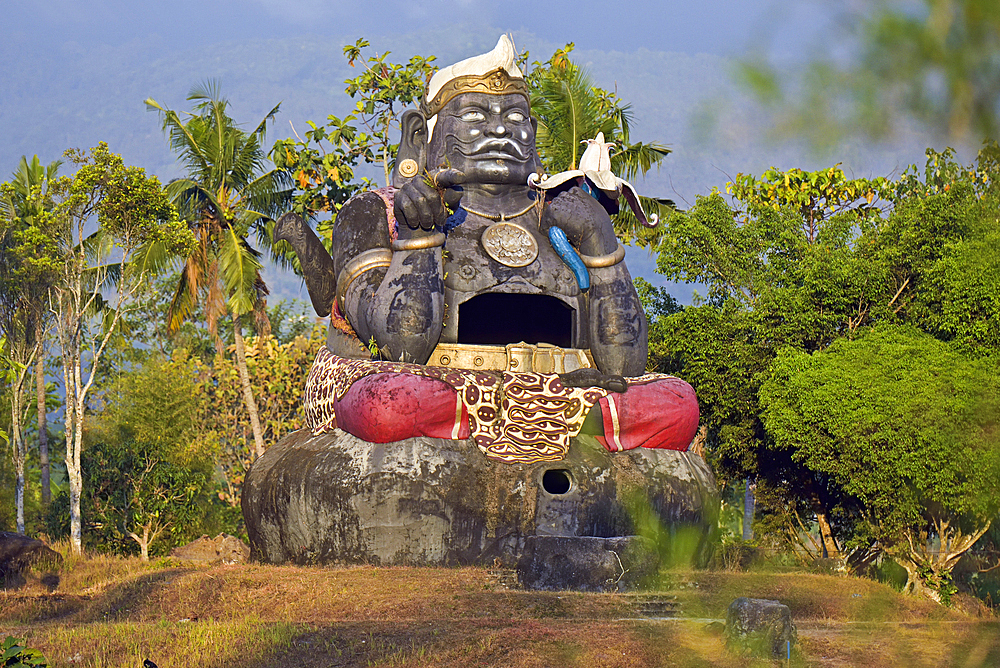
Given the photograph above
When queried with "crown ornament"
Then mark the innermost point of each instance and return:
(496, 82)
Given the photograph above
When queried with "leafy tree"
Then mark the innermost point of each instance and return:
(139, 493)
(28, 192)
(226, 196)
(133, 217)
(324, 173)
(29, 263)
(907, 426)
(783, 267)
(383, 91)
(802, 260)
(281, 370)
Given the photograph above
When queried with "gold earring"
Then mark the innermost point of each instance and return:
(407, 168)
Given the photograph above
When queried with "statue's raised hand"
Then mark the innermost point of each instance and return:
(421, 206)
(583, 219)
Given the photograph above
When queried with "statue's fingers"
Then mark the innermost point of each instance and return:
(406, 210)
(446, 178)
(452, 196)
(425, 212)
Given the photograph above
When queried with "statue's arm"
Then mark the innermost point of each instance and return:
(394, 297)
(617, 327)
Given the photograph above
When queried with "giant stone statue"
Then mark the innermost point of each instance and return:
(482, 387)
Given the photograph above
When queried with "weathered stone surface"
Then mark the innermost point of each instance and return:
(333, 498)
(587, 563)
(18, 553)
(760, 626)
(223, 549)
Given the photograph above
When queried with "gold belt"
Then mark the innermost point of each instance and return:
(522, 357)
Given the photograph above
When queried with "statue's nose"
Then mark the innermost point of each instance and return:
(497, 128)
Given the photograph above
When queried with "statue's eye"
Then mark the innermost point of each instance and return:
(473, 116)
(515, 117)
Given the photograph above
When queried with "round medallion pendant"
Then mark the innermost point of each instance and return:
(510, 244)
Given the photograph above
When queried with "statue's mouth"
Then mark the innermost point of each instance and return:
(495, 149)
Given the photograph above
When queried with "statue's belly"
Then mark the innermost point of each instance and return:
(490, 302)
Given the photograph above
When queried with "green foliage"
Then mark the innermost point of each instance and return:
(323, 176)
(898, 418)
(226, 196)
(656, 301)
(383, 91)
(279, 370)
(907, 426)
(570, 109)
(802, 261)
(139, 492)
(147, 469)
(14, 654)
(935, 59)
(324, 173)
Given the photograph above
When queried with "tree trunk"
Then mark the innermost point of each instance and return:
(748, 509)
(830, 549)
(143, 543)
(74, 471)
(17, 436)
(73, 419)
(915, 584)
(43, 427)
(241, 365)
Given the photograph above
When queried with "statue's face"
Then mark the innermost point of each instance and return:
(489, 137)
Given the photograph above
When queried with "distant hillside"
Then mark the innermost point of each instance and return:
(687, 102)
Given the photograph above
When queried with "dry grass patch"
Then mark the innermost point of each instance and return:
(117, 612)
(809, 597)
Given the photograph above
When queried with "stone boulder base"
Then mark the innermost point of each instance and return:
(587, 563)
(332, 498)
(223, 549)
(759, 626)
(18, 553)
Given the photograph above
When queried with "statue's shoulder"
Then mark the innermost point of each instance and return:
(365, 221)
(367, 205)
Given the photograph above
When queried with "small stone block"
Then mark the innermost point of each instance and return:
(759, 626)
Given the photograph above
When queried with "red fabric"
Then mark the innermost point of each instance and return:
(387, 407)
(660, 414)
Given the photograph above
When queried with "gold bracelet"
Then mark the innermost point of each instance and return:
(432, 241)
(370, 259)
(609, 260)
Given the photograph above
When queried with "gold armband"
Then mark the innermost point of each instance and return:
(433, 241)
(609, 260)
(370, 259)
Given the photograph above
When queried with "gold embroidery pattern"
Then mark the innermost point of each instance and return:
(516, 418)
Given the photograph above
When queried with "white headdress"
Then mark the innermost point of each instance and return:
(494, 73)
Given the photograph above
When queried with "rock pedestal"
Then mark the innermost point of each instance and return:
(334, 499)
(587, 563)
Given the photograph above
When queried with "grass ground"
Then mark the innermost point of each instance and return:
(118, 612)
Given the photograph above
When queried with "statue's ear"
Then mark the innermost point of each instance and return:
(412, 147)
(534, 146)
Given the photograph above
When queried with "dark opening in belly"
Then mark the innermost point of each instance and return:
(500, 318)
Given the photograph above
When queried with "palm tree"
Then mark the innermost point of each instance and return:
(571, 109)
(226, 195)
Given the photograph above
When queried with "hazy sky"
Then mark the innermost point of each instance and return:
(720, 27)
